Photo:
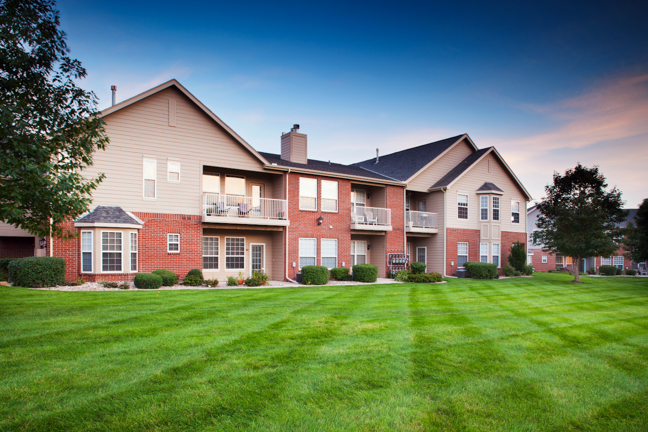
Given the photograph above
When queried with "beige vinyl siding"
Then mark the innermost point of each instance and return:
(7, 230)
(473, 180)
(299, 148)
(424, 181)
(434, 243)
(142, 130)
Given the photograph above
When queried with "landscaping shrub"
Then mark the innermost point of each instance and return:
(37, 272)
(347, 277)
(518, 256)
(402, 275)
(197, 274)
(338, 273)
(365, 273)
(4, 264)
(232, 281)
(425, 278)
(418, 267)
(124, 285)
(528, 270)
(315, 275)
(480, 270)
(508, 270)
(108, 284)
(193, 280)
(168, 277)
(517, 273)
(630, 272)
(591, 271)
(211, 282)
(259, 278)
(147, 281)
(618, 271)
(607, 270)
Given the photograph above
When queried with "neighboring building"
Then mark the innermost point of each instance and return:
(183, 190)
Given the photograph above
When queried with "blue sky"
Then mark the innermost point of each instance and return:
(549, 85)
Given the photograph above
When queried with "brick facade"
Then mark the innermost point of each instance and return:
(472, 237)
(508, 238)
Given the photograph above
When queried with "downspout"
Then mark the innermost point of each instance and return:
(288, 226)
(51, 249)
(405, 221)
(445, 233)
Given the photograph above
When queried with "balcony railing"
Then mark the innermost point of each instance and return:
(370, 216)
(417, 219)
(239, 206)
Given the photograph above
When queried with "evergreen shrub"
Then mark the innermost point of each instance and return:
(315, 275)
(365, 273)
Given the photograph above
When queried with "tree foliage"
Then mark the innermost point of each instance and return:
(579, 217)
(48, 126)
(517, 256)
(636, 239)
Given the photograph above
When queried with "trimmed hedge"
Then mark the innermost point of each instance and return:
(168, 277)
(480, 270)
(339, 273)
(315, 275)
(365, 273)
(424, 278)
(528, 270)
(147, 281)
(4, 264)
(418, 267)
(195, 274)
(37, 272)
(631, 272)
(607, 270)
(509, 271)
(619, 271)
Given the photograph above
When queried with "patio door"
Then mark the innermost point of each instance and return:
(257, 257)
(358, 252)
(257, 194)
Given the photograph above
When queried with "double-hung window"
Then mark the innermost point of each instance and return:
(307, 193)
(210, 253)
(173, 243)
(618, 262)
(462, 254)
(358, 252)
(329, 196)
(462, 206)
(544, 259)
(606, 261)
(307, 252)
(234, 185)
(211, 183)
(515, 211)
(111, 251)
(421, 254)
(483, 208)
(234, 253)
(495, 249)
(496, 208)
(329, 253)
(173, 173)
(86, 251)
(150, 178)
(359, 197)
(133, 252)
(483, 252)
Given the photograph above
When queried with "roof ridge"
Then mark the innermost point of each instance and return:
(413, 148)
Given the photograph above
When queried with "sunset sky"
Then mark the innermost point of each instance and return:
(550, 84)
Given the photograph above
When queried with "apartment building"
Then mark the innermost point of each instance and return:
(183, 190)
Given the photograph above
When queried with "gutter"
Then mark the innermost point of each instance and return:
(336, 175)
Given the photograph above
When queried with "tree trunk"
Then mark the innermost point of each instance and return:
(576, 269)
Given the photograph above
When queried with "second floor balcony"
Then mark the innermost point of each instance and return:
(239, 209)
(370, 218)
(421, 222)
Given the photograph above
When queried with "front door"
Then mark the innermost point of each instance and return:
(257, 257)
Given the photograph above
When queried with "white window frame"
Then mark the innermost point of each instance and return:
(236, 256)
(326, 198)
(544, 259)
(354, 250)
(133, 252)
(244, 185)
(513, 204)
(424, 248)
(483, 247)
(459, 254)
(219, 183)
(144, 178)
(91, 251)
(483, 199)
(169, 170)
(303, 181)
(529, 258)
(355, 193)
(327, 240)
(496, 208)
(498, 254)
(169, 243)
(120, 252)
(302, 251)
(217, 256)
(615, 260)
(460, 206)
(606, 260)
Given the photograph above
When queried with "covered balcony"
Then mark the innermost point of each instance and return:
(370, 218)
(244, 210)
(421, 222)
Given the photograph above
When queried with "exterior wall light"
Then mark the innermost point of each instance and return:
(320, 220)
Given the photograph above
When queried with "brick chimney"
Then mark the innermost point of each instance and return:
(294, 146)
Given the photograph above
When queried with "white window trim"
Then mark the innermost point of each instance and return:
(307, 196)
(467, 206)
(366, 248)
(236, 176)
(217, 256)
(467, 253)
(487, 252)
(225, 246)
(299, 257)
(614, 258)
(91, 251)
(499, 254)
(169, 243)
(608, 259)
(337, 198)
(121, 251)
(131, 252)
(481, 207)
(499, 208)
(263, 258)
(144, 160)
(417, 254)
(519, 212)
(544, 259)
(169, 162)
(211, 175)
(337, 253)
(364, 193)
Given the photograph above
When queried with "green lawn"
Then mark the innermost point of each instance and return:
(522, 354)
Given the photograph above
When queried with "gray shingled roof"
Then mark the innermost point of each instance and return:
(404, 164)
(108, 214)
(324, 166)
(632, 213)
(455, 172)
(489, 187)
